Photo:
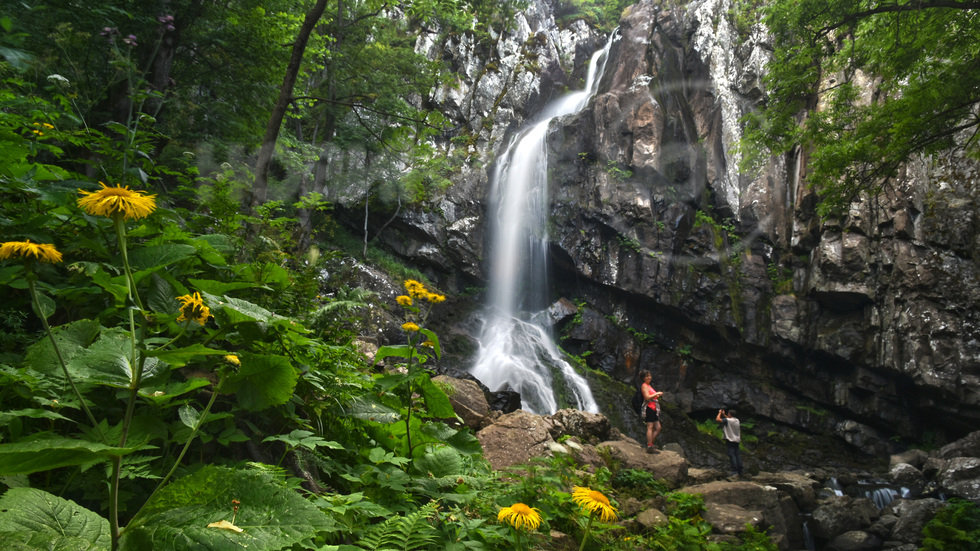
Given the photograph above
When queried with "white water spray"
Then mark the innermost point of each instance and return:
(516, 347)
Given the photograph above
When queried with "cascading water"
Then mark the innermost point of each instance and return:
(516, 347)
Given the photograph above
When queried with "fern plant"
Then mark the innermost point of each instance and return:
(408, 533)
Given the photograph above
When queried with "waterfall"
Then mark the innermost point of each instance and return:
(517, 351)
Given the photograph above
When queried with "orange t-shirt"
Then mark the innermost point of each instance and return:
(652, 404)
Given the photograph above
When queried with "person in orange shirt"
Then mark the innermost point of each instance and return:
(652, 416)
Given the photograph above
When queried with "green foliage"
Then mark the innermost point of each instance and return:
(827, 51)
(409, 533)
(956, 527)
(34, 519)
(271, 515)
(601, 13)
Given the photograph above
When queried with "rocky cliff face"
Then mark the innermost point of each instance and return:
(726, 285)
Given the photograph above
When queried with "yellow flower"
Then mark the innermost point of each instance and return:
(595, 502)
(233, 359)
(26, 249)
(410, 326)
(429, 344)
(192, 307)
(520, 516)
(110, 201)
(434, 298)
(403, 300)
(414, 288)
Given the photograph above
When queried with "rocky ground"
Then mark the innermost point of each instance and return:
(826, 508)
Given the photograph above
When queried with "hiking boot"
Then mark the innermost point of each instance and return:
(652, 449)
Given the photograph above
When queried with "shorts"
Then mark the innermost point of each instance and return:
(652, 415)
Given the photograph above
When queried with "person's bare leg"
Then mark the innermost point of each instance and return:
(653, 430)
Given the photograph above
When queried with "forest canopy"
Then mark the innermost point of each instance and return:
(862, 86)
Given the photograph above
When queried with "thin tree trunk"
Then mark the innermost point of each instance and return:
(260, 187)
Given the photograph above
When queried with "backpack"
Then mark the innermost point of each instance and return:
(638, 402)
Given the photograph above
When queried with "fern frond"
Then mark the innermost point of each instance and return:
(409, 533)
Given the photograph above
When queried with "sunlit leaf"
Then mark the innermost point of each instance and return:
(271, 515)
(263, 381)
(34, 519)
(52, 453)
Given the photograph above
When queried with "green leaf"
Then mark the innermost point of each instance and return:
(271, 515)
(436, 401)
(304, 439)
(6, 416)
(229, 311)
(163, 394)
(72, 340)
(180, 357)
(157, 256)
(398, 351)
(369, 408)
(434, 339)
(52, 453)
(262, 381)
(162, 297)
(34, 519)
(440, 462)
(220, 287)
(45, 306)
(108, 362)
(189, 416)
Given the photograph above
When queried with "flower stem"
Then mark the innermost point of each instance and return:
(64, 366)
(187, 444)
(588, 530)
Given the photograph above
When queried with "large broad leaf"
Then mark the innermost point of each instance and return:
(158, 255)
(461, 440)
(439, 463)
(263, 381)
(229, 311)
(52, 453)
(179, 357)
(72, 339)
(436, 401)
(369, 408)
(34, 519)
(271, 515)
(6, 416)
(109, 362)
(220, 287)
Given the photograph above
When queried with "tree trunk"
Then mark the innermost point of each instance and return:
(260, 187)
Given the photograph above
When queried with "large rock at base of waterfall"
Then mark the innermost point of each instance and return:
(802, 489)
(912, 516)
(778, 510)
(515, 438)
(731, 519)
(960, 476)
(665, 465)
(841, 514)
(468, 401)
(968, 446)
(854, 540)
(589, 427)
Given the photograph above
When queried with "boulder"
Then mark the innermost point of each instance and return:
(916, 458)
(750, 496)
(802, 489)
(667, 466)
(907, 476)
(854, 540)
(467, 399)
(912, 516)
(589, 427)
(968, 446)
(840, 514)
(648, 521)
(515, 438)
(731, 519)
(960, 477)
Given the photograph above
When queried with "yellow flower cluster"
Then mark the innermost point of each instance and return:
(233, 360)
(403, 300)
(520, 516)
(410, 326)
(417, 290)
(110, 201)
(25, 249)
(594, 502)
(192, 308)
